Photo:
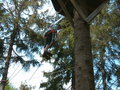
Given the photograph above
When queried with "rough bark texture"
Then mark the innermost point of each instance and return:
(5, 73)
(84, 77)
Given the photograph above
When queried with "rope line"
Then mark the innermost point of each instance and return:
(16, 74)
(4, 81)
(57, 12)
(69, 88)
(33, 74)
(13, 75)
(14, 71)
(69, 68)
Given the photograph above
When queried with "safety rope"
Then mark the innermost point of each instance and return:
(33, 74)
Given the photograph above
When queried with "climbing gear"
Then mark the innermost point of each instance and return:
(49, 32)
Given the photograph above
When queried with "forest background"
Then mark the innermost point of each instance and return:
(24, 22)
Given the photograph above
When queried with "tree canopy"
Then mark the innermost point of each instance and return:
(23, 24)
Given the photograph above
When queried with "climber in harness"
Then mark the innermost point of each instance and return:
(50, 38)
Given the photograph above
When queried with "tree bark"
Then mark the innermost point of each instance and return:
(4, 76)
(84, 77)
(73, 75)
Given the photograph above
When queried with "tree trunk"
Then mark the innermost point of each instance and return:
(1, 47)
(103, 68)
(4, 76)
(84, 77)
(73, 75)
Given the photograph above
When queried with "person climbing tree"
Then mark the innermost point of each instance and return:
(50, 38)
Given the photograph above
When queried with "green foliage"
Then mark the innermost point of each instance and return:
(23, 18)
(105, 33)
(2, 10)
(22, 25)
(9, 87)
(62, 60)
(105, 42)
(24, 86)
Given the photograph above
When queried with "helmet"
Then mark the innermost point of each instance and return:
(55, 27)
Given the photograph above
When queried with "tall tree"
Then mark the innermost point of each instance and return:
(105, 41)
(84, 77)
(105, 50)
(2, 11)
(20, 26)
(83, 56)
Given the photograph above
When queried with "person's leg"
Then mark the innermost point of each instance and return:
(52, 41)
(47, 54)
(47, 46)
(49, 41)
